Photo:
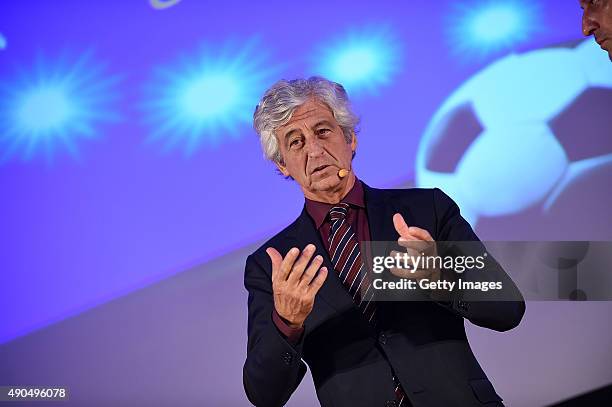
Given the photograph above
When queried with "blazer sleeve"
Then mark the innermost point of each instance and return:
(273, 368)
(503, 309)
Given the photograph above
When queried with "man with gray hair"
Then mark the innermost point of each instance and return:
(311, 300)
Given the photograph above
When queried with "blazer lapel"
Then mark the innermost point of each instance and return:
(380, 215)
(380, 221)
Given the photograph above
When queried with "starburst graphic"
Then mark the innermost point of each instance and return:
(362, 61)
(163, 4)
(479, 28)
(204, 99)
(53, 105)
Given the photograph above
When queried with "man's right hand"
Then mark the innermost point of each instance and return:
(295, 283)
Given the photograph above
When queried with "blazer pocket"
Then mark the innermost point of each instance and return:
(484, 391)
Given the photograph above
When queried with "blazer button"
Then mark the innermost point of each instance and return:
(391, 403)
(382, 338)
(287, 358)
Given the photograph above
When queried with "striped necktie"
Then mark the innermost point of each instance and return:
(348, 263)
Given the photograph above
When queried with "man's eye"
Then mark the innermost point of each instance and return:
(294, 143)
(323, 131)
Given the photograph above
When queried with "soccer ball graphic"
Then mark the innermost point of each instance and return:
(525, 145)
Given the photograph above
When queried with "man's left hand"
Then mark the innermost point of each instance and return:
(418, 243)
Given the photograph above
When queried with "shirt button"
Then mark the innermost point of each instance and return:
(382, 338)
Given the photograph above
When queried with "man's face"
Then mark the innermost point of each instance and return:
(314, 148)
(597, 21)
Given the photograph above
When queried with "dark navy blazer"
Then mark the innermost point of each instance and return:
(350, 361)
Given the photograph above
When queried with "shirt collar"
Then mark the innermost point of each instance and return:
(318, 210)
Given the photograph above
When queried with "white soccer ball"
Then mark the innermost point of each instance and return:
(517, 132)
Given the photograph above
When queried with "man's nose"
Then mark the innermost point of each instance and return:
(314, 147)
(589, 24)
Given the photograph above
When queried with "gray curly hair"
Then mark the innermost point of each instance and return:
(280, 101)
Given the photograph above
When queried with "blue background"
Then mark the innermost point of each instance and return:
(131, 187)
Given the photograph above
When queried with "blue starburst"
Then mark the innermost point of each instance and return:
(479, 28)
(205, 98)
(362, 61)
(52, 105)
(163, 4)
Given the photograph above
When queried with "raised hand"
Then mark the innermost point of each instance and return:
(418, 243)
(295, 283)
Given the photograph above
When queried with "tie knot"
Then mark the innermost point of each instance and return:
(338, 211)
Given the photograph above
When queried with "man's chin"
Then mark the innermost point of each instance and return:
(326, 183)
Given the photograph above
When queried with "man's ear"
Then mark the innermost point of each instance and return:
(353, 141)
(282, 168)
